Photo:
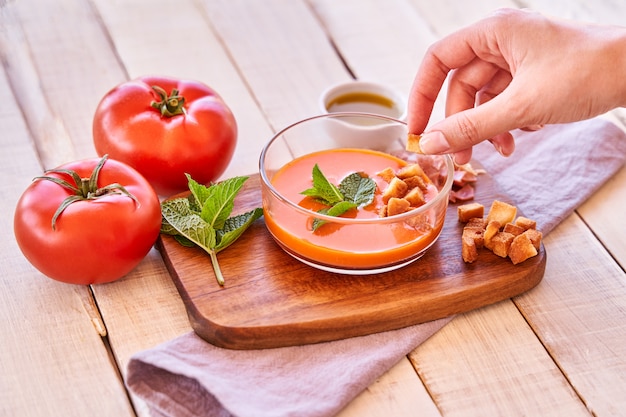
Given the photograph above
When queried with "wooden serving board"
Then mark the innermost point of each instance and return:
(272, 300)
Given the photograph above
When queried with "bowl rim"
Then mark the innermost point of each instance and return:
(444, 192)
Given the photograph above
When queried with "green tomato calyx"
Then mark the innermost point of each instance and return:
(83, 188)
(169, 105)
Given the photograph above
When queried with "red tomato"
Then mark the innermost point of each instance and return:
(178, 127)
(96, 239)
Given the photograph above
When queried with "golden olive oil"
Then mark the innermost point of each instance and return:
(364, 102)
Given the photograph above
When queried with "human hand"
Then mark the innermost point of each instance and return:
(515, 69)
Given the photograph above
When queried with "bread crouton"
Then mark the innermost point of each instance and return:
(513, 229)
(416, 197)
(525, 223)
(411, 170)
(500, 232)
(521, 249)
(466, 212)
(535, 237)
(397, 206)
(397, 188)
(387, 174)
(476, 222)
(469, 250)
(416, 181)
(500, 243)
(476, 233)
(491, 229)
(413, 143)
(502, 212)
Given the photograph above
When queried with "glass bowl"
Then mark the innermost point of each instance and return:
(359, 241)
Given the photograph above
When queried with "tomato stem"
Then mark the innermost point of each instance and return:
(83, 188)
(169, 105)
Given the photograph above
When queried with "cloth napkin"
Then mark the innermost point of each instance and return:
(551, 172)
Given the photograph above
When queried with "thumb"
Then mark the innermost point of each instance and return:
(462, 130)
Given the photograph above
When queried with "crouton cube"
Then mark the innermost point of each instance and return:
(476, 222)
(476, 233)
(416, 182)
(502, 212)
(413, 143)
(491, 229)
(397, 206)
(513, 229)
(412, 170)
(535, 237)
(469, 250)
(415, 197)
(396, 188)
(521, 249)
(387, 174)
(525, 223)
(469, 211)
(501, 243)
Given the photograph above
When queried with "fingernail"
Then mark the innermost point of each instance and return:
(434, 142)
(498, 147)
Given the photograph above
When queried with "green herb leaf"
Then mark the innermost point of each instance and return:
(203, 218)
(358, 189)
(335, 211)
(217, 201)
(323, 190)
(188, 223)
(235, 226)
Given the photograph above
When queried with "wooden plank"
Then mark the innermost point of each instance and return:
(61, 78)
(488, 362)
(379, 40)
(286, 73)
(608, 12)
(53, 361)
(604, 214)
(447, 16)
(579, 313)
(396, 393)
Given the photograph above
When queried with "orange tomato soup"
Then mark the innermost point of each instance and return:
(346, 246)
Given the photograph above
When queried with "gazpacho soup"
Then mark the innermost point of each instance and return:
(362, 238)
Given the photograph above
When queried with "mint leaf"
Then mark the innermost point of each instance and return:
(203, 218)
(358, 189)
(235, 226)
(199, 193)
(335, 211)
(217, 201)
(188, 223)
(323, 190)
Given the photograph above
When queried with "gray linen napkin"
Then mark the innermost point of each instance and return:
(551, 172)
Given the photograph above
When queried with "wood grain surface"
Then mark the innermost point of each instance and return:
(271, 299)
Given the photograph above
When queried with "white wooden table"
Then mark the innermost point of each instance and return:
(557, 350)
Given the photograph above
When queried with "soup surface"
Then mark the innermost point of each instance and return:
(351, 246)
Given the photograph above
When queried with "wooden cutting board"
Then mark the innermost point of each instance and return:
(272, 300)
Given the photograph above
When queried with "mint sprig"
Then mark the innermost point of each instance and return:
(354, 191)
(202, 219)
(323, 190)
